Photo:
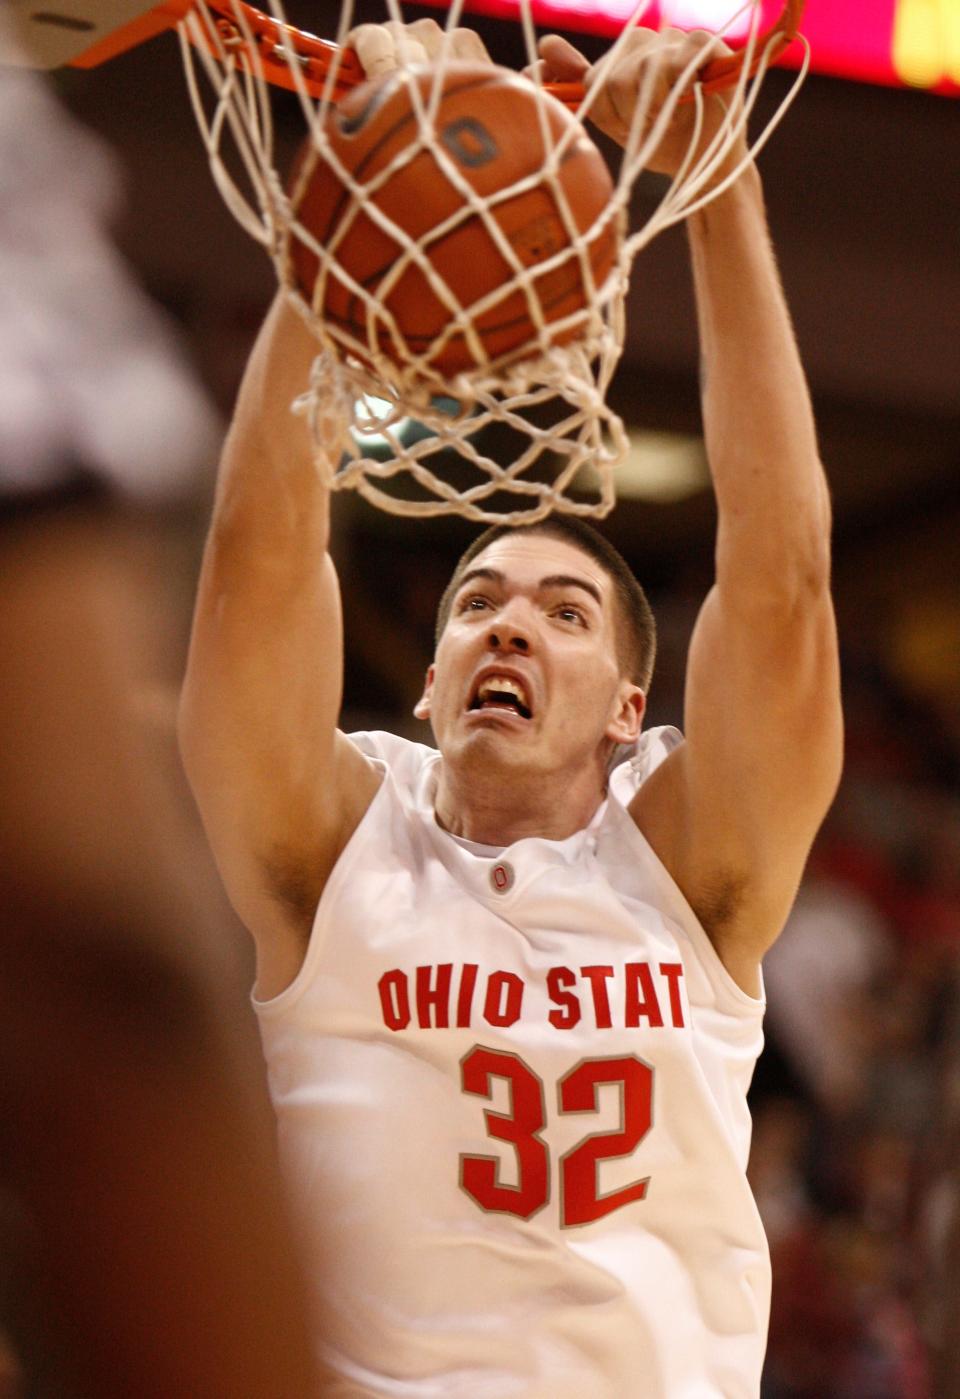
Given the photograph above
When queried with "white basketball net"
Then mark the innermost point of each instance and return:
(548, 404)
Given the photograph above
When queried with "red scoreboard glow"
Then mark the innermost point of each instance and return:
(913, 43)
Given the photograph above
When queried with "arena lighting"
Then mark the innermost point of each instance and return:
(378, 410)
(661, 467)
(909, 43)
(408, 430)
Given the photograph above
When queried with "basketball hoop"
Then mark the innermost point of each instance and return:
(545, 397)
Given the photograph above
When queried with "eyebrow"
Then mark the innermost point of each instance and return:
(553, 580)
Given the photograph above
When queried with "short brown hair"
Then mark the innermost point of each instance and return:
(636, 629)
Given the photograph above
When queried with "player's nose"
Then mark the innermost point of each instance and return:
(512, 630)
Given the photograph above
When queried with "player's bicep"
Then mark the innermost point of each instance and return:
(764, 733)
(274, 783)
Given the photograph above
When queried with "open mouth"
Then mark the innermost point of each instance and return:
(500, 692)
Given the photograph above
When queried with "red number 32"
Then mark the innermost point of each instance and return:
(580, 1200)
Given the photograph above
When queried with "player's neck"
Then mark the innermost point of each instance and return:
(498, 809)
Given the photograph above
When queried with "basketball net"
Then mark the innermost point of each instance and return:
(549, 403)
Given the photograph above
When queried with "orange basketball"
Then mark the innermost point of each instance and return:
(488, 128)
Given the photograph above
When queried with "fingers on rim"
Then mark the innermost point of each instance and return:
(683, 44)
(375, 48)
(708, 44)
(408, 46)
(555, 48)
(459, 43)
(467, 44)
(428, 34)
(384, 47)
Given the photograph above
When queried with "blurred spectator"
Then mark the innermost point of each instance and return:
(858, 1182)
(818, 975)
(145, 1247)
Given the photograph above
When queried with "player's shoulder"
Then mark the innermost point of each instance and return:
(405, 759)
(651, 750)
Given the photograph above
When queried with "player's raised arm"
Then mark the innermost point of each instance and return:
(734, 812)
(762, 712)
(278, 788)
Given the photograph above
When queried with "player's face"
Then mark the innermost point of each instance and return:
(527, 672)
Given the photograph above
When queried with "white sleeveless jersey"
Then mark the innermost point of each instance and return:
(511, 1096)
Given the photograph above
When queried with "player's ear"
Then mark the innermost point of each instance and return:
(421, 710)
(627, 717)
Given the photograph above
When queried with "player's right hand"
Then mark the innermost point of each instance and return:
(663, 55)
(383, 47)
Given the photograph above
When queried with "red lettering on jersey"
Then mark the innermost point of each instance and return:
(597, 977)
(504, 999)
(394, 999)
(468, 980)
(434, 997)
(641, 997)
(580, 1200)
(559, 982)
(673, 971)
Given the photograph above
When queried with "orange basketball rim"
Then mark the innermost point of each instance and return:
(265, 45)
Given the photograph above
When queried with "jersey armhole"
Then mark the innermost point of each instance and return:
(730, 995)
(275, 1005)
(728, 991)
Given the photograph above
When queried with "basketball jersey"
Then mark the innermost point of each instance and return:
(511, 1094)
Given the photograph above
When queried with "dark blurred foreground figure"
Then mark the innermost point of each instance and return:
(133, 1127)
(137, 1169)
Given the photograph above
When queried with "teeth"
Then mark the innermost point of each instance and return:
(501, 685)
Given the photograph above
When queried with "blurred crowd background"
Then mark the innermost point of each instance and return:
(857, 1098)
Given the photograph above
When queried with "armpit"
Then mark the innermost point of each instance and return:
(718, 901)
(294, 884)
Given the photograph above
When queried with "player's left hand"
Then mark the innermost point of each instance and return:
(383, 47)
(671, 50)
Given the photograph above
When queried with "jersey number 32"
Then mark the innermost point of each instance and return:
(521, 1127)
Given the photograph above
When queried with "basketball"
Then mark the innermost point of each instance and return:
(488, 135)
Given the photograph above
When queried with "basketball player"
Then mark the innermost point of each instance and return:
(511, 1000)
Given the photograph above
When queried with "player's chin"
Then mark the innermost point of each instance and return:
(497, 720)
(507, 740)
